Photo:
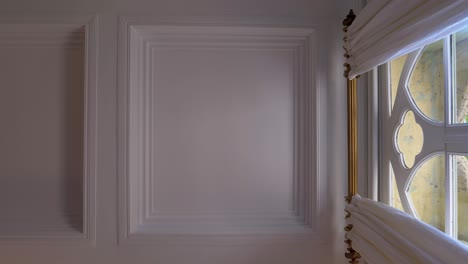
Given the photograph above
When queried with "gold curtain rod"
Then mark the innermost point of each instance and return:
(351, 254)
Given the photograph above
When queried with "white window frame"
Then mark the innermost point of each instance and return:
(453, 138)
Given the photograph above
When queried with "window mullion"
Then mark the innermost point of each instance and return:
(454, 194)
(450, 172)
(448, 76)
(449, 195)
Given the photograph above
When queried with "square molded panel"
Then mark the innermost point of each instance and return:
(216, 131)
(42, 111)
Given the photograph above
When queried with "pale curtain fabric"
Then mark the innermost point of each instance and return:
(386, 29)
(382, 234)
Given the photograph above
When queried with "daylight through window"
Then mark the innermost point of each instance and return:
(424, 134)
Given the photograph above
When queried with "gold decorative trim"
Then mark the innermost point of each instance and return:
(352, 255)
(352, 138)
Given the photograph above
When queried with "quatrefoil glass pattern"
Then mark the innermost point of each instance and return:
(409, 139)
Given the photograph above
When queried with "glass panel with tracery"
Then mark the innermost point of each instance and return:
(461, 73)
(395, 200)
(427, 191)
(426, 83)
(462, 196)
(421, 139)
(396, 67)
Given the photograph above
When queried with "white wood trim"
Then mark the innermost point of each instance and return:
(450, 196)
(373, 135)
(385, 190)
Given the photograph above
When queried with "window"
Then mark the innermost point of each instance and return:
(424, 134)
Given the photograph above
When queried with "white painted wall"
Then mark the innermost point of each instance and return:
(324, 17)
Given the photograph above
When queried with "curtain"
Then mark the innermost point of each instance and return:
(386, 29)
(382, 234)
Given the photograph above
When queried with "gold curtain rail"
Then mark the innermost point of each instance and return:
(352, 255)
(352, 138)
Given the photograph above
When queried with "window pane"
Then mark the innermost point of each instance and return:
(410, 139)
(461, 73)
(395, 194)
(427, 192)
(396, 67)
(426, 84)
(462, 194)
